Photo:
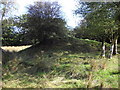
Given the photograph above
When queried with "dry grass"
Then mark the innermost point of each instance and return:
(15, 48)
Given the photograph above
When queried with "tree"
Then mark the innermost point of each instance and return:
(44, 21)
(11, 35)
(5, 10)
(6, 6)
(117, 19)
(101, 22)
(82, 32)
(21, 26)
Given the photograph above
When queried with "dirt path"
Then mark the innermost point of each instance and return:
(15, 48)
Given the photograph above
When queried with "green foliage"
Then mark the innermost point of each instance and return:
(99, 21)
(44, 22)
(11, 35)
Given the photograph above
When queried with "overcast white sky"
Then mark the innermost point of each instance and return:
(67, 7)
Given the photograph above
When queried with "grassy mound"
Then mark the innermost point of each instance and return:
(72, 63)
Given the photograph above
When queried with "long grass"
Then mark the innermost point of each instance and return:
(55, 68)
(68, 72)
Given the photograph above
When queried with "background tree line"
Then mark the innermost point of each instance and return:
(101, 22)
(43, 23)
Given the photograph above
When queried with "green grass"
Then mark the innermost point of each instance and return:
(74, 74)
(60, 67)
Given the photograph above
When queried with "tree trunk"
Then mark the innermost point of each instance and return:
(111, 50)
(103, 49)
(115, 51)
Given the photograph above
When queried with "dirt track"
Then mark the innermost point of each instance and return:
(14, 48)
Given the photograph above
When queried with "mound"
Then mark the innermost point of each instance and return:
(41, 57)
(5, 56)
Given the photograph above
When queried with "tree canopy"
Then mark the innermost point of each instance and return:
(43, 21)
(100, 20)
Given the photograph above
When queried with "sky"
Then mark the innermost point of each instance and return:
(68, 7)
